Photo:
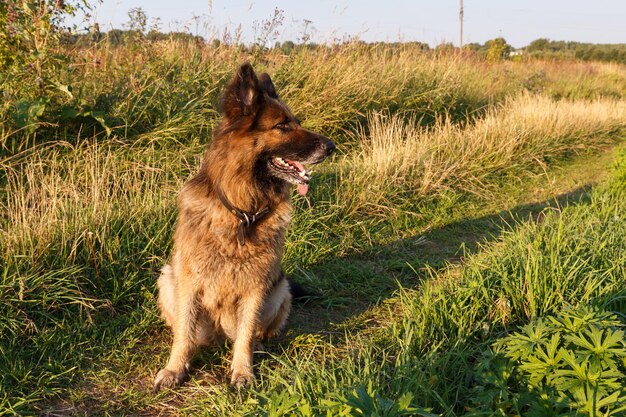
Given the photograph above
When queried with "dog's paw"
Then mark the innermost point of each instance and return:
(168, 379)
(241, 379)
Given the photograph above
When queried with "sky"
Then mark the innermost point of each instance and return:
(435, 21)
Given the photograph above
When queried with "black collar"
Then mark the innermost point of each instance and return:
(246, 219)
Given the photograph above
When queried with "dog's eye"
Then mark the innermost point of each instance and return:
(284, 125)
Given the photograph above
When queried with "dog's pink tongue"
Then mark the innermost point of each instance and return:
(302, 188)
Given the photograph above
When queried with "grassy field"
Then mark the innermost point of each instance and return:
(467, 200)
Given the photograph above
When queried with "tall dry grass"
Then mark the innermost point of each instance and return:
(400, 159)
(58, 193)
(156, 88)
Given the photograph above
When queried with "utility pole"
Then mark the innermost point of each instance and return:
(461, 24)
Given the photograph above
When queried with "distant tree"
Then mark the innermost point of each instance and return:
(540, 44)
(474, 47)
(498, 49)
(583, 54)
(545, 48)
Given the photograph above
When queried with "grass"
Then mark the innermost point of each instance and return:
(525, 131)
(168, 91)
(428, 351)
(431, 155)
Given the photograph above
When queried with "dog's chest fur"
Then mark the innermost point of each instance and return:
(206, 242)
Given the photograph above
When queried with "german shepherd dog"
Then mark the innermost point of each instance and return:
(225, 278)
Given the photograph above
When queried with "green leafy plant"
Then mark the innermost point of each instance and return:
(32, 31)
(367, 402)
(569, 364)
(31, 59)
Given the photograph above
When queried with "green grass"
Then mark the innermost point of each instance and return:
(459, 208)
(427, 343)
(121, 335)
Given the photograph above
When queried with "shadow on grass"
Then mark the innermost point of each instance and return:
(348, 286)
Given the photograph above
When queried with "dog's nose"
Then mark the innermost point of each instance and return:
(329, 147)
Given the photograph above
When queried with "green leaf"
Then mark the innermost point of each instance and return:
(28, 113)
(64, 89)
(70, 113)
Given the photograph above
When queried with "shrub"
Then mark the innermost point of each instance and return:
(571, 363)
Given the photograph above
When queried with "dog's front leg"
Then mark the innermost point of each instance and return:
(247, 320)
(184, 342)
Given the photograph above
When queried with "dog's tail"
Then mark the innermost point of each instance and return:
(298, 292)
(167, 294)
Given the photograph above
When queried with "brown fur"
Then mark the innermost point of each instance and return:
(215, 287)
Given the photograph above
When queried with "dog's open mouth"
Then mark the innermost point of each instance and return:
(292, 171)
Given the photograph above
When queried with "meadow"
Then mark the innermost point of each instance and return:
(465, 245)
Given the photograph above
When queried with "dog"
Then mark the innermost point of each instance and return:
(225, 279)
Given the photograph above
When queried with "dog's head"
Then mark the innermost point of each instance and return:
(266, 128)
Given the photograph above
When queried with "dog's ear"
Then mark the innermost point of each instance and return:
(266, 84)
(242, 94)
